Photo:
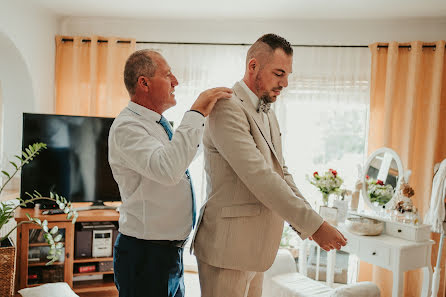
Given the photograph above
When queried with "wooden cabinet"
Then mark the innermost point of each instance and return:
(31, 252)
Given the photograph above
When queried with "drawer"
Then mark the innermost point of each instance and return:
(409, 232)
(374, 253)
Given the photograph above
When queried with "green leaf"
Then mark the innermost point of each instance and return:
(58, 238)
(25, 155)
(28, 152)
(6, 173)
(54, 230)
(14, 164)
(28, 216)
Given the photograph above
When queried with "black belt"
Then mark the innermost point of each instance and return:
(176, 243)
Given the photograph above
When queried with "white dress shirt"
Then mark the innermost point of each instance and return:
(150, 172)
(255, 101)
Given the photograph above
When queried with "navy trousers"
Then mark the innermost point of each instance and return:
(146, 269)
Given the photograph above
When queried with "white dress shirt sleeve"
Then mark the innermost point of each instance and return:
(164, 163)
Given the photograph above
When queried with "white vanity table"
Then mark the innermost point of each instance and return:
(401, 247)
(395, 254)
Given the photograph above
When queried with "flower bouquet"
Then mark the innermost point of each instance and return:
(327, 183)
(378, 191)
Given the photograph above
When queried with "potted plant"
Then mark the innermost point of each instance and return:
(7, 209)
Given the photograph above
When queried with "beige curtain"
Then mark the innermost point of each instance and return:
(89, 75)
(408, 114)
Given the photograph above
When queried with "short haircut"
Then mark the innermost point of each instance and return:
(267, 44)
(139, 63)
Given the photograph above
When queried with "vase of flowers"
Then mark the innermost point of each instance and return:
(327, 183)
(379, 193)
(7, 209)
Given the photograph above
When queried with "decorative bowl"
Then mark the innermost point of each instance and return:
(364, 226)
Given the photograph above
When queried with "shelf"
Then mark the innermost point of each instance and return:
(34, 285)
(94, 286)
(87, 260)
(92, 273)
(34, 264)
(41, 244)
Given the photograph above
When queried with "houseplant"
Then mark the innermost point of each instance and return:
(7, 209)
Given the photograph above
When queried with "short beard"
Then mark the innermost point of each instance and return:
(264, 97)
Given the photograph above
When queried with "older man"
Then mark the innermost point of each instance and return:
(149, 162)
(251, 192)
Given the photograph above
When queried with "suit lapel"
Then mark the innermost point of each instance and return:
(241, 94)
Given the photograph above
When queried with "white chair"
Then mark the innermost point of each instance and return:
(283, 280)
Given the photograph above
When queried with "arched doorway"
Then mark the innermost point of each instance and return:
(16, 97)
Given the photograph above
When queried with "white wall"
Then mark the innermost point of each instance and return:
(26, 66)
(344, 32)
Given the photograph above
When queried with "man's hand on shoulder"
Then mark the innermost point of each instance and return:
(328, 237)
(207, 99)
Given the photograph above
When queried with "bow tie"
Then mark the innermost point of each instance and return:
(263, 106)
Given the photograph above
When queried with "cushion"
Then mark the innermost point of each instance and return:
(297, 285)
(49, 290)
(362, 289)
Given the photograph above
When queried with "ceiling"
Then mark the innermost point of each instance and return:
(248, 9)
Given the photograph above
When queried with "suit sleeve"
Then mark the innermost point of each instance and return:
(230, 133)
(290, 181)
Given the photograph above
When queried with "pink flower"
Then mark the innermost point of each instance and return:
(315, 173)
(334, 172)
(367, 177)
(379, 182)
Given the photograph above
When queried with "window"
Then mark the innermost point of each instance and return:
(323, 113)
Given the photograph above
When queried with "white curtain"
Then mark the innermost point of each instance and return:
(323, 113)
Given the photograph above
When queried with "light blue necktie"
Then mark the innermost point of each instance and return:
(163, 122)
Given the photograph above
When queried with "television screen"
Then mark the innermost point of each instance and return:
(75, 163)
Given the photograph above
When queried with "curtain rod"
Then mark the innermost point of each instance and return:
(242, 44)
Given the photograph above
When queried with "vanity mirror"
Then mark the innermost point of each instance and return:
(382, 173)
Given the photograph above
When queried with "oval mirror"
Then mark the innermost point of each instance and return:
(382, 174)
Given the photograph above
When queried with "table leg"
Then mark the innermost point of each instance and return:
(331, 262)
(427, 282)
(397, 287)
(303, 257)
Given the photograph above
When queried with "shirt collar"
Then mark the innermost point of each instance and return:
(144, 112)
(252, 97)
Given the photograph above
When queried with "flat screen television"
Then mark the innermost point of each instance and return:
(75, 163)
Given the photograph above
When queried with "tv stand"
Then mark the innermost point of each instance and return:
(61, 271)
(96, 205)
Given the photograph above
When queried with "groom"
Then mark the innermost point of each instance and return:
(250, 191)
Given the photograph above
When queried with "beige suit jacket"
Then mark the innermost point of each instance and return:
(250, 192)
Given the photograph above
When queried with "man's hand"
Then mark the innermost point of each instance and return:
(328, 237)
(207, 99)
